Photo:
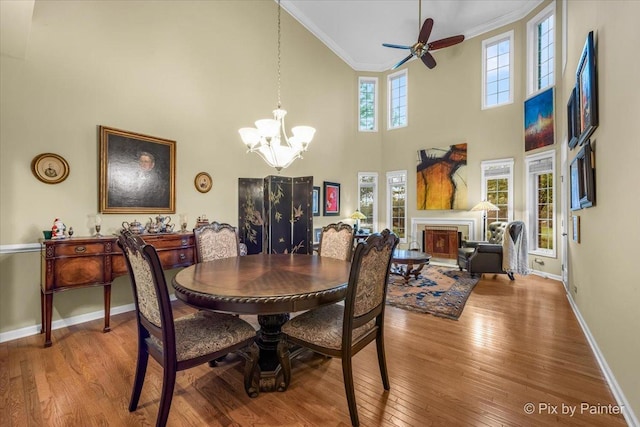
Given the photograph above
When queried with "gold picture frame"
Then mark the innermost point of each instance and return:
(137, 173)
(50, 168)
(203, 182)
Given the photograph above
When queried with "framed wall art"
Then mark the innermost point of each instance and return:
(538, 120)
(203, 182)
(50, 168)
(331, 199)
(587, 91)
(572, 119)
(574, 183)
(587, 176)
(315, 201)
(137, 172)
(576, 228)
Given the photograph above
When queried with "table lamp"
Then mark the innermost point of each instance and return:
(357, 215)
(485, 206)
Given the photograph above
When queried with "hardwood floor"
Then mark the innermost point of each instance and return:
(515, 343)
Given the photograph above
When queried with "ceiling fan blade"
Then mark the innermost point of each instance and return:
(428, 60)
(449, 41)
(425, 31)
(397, 46)
(402, 62)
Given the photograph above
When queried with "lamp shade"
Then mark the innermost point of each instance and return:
(358, 215)
(485, 206)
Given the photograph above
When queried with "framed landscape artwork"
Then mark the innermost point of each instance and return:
(538, 120)
(587, 91)
(137, 173)
(582, 179)
(331, 199)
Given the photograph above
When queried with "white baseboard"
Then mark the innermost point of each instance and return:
(621, 400)
(63, 323)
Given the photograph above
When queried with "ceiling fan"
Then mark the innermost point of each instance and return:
(421, 48)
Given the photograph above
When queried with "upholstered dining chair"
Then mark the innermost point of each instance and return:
(342, 330)
(182, 343)
(216, 241)
(336, 241)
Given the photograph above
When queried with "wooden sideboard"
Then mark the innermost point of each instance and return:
(79, 262)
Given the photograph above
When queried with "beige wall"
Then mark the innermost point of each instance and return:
(603, 266)
(195, 72)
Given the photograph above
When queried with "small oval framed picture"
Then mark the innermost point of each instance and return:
(50, 168)
(203, 182)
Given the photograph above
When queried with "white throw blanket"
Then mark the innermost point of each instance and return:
(514, 252)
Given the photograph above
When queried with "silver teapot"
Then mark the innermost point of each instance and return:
(163, 224)
(152, 227)
(134, 226)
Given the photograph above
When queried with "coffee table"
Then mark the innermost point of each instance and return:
(406, 263)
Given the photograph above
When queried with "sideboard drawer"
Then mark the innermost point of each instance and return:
(169, 240)
(77, 249)
(176, 257)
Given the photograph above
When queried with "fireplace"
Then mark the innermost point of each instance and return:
(442, 241)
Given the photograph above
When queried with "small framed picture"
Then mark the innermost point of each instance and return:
(572, 119)
(50, 168)
(315, 201)
(203, 182)
(316, 234)
(331, 199)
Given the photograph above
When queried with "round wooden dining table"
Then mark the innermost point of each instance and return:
(268, 285)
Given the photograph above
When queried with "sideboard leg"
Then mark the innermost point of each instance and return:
(42, 313)
(47, 321)
(107, 307)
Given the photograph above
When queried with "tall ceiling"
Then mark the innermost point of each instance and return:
(356, 29)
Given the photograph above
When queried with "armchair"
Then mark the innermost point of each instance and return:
(485, 257)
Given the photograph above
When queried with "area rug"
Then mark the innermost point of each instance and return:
(441, 291)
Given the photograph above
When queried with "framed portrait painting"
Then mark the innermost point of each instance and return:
(587, 91)
(50, 168)
(331, 199)
(137, 172)
(315, 201)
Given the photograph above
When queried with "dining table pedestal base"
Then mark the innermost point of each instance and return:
(267, 339)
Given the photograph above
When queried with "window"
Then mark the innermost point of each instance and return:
(497, 188)
(368, 110)
(497, 70)
(368, 199)
(397, 84)
(540, 50)
(397, 203)
(540, 203)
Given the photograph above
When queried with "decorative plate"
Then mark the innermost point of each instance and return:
(203, 182)
(50, 168)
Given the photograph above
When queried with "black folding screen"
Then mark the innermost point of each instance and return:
(275, 214)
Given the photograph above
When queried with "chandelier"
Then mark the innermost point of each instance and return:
(269, 138)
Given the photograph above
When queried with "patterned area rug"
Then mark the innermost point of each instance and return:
(441, 291)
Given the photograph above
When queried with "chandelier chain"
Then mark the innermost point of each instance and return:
(279, 104)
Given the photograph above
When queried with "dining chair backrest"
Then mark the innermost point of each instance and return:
(367, 289)
(336, 241)
(150, 292)
(216, 241)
